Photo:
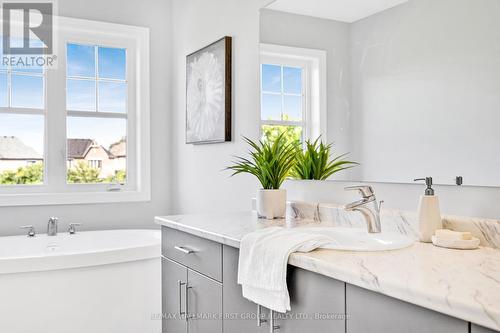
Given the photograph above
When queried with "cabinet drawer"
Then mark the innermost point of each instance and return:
(199, 254)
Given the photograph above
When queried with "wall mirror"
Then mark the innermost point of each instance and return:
(408, 88)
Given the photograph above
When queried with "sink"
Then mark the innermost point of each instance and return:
(353, 239)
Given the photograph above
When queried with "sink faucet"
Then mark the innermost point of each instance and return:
(367, 206)
(52, 226)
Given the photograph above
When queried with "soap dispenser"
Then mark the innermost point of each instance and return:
(429, 214)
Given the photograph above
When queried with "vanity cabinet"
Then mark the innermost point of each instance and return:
(191, 295)
(200, 279)
(369, 311)
(173, 301)
(188, 293)
(480, 329)
(241, 313)
(317, 302)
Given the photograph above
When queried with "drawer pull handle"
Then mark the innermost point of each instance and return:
(187, 303)
(183, 249)
(260, 318)
(180, 284)
(272, 326)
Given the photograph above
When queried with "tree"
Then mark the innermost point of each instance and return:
(292, 134)
(83, 173)
(119, 177)
(31, 174)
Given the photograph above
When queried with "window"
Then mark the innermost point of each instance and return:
(95, 109)
(95, 164)
(282, 101)
(293, 93)
(96, 104)
(22, 125)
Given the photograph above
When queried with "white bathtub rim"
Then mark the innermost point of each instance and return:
(87, 258)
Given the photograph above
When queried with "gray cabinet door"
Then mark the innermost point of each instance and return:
(479, 329)
(317, 302)
(174, 277)
(204, 304)
(368, 311)
(240, 313)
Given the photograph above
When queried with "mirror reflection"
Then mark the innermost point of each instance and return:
(408, 88)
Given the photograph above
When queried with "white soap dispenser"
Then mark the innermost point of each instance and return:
(429, 214)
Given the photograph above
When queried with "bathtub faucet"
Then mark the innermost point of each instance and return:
(52, 226)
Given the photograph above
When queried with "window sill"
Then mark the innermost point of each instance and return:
(46, 199)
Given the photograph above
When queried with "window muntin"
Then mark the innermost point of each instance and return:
(282, 101)
(97, 90)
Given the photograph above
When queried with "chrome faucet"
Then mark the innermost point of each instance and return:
(52, 226)
(367, 206)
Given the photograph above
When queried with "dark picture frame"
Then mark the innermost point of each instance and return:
(209, 93)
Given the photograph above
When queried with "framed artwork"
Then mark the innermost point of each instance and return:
(208, 93)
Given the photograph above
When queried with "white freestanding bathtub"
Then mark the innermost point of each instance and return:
(94, 281)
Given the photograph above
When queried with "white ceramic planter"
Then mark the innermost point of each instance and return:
(271, 204)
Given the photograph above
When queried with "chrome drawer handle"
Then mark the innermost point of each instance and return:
(272, 326)
(260, 318)
(183, 249)
(180, 284)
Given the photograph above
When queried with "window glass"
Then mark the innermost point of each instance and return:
(112, 97)
(271, 78)
(282, 107)
(271, 107)
(80, 95)
(292, 108)
(4, 102)
(292, 133)
(96, 139)
(80, 60)
(21, 149)
(27, 91)
(112, 63)
(292, 80)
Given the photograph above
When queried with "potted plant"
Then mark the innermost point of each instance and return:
(271, 162)
(315, 162)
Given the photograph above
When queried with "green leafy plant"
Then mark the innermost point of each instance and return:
(83, 173)
(31, 174)
(119, 177)
(270, 162)
(314, 162)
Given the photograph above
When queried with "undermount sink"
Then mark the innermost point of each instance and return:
(353, 239)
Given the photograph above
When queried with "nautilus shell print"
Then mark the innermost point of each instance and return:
(205, 96)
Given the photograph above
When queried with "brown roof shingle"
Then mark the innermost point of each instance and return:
(78, 147)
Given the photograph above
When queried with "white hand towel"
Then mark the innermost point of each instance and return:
(263, 262)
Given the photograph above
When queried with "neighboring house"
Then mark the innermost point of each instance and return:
(15, 154)
(91, 153)
(119, 151)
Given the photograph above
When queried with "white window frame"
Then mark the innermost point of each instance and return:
(314, 80)
(55, 190)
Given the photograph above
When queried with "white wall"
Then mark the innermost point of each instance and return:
(200, 183)
(155, 14)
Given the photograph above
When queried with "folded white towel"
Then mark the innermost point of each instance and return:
(263, 262)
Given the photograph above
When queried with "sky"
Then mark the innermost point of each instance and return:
(82, 91)
(281, 93)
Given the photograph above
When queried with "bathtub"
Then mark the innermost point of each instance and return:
(94, 281)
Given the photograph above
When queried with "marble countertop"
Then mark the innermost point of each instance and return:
(462, 284)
